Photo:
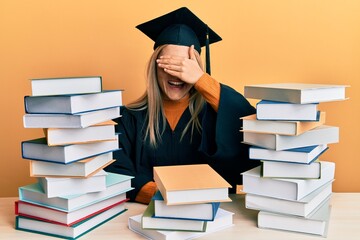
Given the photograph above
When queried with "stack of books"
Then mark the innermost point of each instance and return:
(187, 204)
(73, 194)
(292, 187)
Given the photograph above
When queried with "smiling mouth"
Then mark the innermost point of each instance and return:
(176, 84)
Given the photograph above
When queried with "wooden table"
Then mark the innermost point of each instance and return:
(344, 223)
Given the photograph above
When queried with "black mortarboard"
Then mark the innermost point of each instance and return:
(180, 27)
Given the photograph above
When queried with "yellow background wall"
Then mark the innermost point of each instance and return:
(310, 41)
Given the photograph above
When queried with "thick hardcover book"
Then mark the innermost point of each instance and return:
(293, 128)
(70, 232)
(300, 93)
(271, 110)
(178, 185)
(284, 188)
(66, 85)
(148, 221)
(79, 120)
(320, 135)
(46, 214)
(200, 211)
(275, 169)
(223, 219)
(82, 168)
(303, 155)
(116, 184)
(71, 104)
(302, 207)
(37, 149)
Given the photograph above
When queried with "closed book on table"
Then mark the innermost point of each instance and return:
(65, 85)
(37, 149)
(178, 184)
(251, 124)
(46, 214)
(284, 188)
(272, 110)
(82, 168)
(200, 211)
(317, 223)
(74, 103)
(275, 169)
(148, 221)
(223, 219)
(302, 207)
(116, 184)
(79, 120)
(321, 135)
(296, 155)
(55, 186)
(300, 93)
(70, 232)
(98, 132)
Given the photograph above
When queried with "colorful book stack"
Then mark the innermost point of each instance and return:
(73, 194)
(185, 206)
(292, 187)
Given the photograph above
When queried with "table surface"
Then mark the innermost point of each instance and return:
(344, 222)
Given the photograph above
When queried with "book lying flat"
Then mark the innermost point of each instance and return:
(116, 184)
(200, 211)
(79, 120)
(300, 93)
(302, 207)
(56, 187)
(37, 149)
(188, 184)
(323, 134)
(275, 169)
(75, 103)
(304, 155)
(46, 214)
(148, 221)
(223, 219)
(284, 188)
(94, 133)
(66, 85)
(317, 223)
(70, 232)
(251, 124)
(82, 168)
(271, 110)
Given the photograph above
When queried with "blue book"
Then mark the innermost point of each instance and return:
(199, 211)
(116, 184)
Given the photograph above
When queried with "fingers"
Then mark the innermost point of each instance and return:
(191, 52)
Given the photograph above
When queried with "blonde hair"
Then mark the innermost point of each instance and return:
(152, 101)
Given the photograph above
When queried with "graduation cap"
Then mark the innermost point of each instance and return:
(181, 27)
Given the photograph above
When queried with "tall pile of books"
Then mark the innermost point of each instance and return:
(185, 206)
(292, 186)
(73, 194)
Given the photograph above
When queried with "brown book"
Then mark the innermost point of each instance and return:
(188, 184)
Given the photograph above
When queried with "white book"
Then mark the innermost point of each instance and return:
(275, 169)
(296, 92)
(80, 120)
(37, 149)
(82, 168)
(297, 155)
(271, 110)
(317, 223)
(66, 85)
(223, 219)
(60, 186)
(320, 135)
(284, 188)
(302, 207)
(98, 132)
(75, 103)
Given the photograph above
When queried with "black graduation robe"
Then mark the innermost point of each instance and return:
(219, 143)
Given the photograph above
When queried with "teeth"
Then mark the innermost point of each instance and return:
(176, 83)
